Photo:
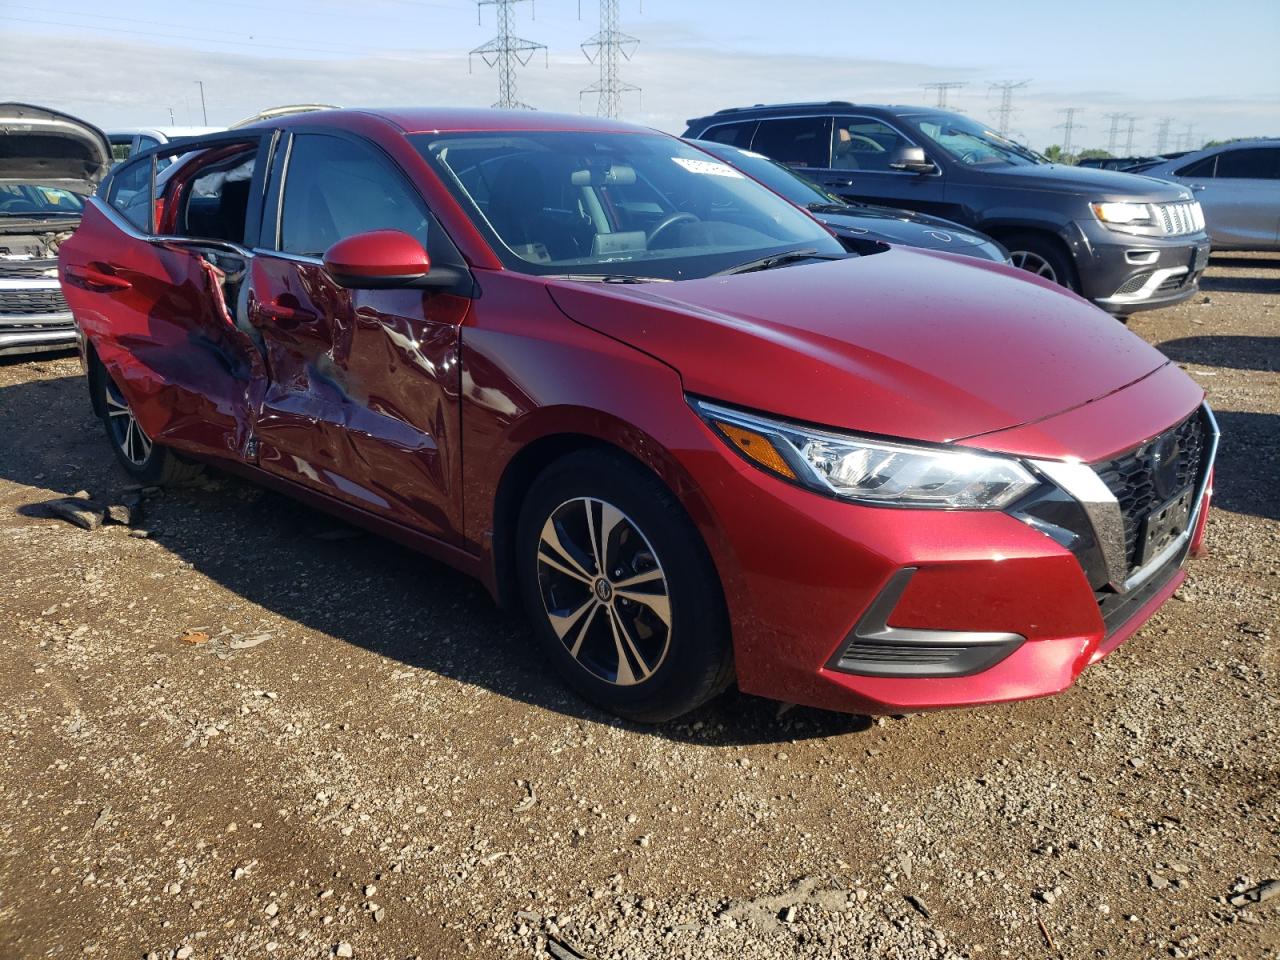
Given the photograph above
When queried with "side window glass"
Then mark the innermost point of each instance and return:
(130, 193)
(800, 142)
(1201, 169)
(861, 143)
(146, 143)
(734, 134)
(216, 200)
(121, 148)
(1251, 164)
(335, 188)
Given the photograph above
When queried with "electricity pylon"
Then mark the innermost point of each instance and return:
(506, 51)
(607, 48)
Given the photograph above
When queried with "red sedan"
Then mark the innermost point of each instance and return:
(622, 383)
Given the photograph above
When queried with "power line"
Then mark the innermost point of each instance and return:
(1005, 110)
(1186, 140)
(942, 90)
(607, 48)
(1068, 127)
(1162, 134)
(506, 51)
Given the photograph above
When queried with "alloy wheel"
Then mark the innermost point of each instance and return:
(604, 591)
(123, 425)
(1033, 263)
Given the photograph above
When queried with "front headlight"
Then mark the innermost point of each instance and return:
(871, 471)
(1127, 217)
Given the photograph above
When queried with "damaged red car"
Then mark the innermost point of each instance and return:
(664, 409)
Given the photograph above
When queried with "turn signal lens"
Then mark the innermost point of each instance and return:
(756, 446)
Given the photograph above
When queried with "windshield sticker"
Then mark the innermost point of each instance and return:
(709, 167)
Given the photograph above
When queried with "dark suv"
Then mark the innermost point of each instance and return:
(1125, 242)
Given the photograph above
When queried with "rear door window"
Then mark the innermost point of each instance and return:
(1202, 169)
(215, 201)
(797, 142)
(1255, 163)
(734, 134)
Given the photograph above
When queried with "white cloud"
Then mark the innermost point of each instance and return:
(124, 83)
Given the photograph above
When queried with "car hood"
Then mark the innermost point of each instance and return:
(902, 226)
(43, 146)
(903, 343)
(1099, 184)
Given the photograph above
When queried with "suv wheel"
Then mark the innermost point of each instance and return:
(1042, 257)
(620, 589)
(137, 453)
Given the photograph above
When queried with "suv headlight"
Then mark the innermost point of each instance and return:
(871, 471)
(1128, 217)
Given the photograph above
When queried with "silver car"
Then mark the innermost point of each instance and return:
(1238, 185)
(49, 164)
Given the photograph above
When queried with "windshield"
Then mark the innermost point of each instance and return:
(615, 204)
(33, 200)
(781, 179)
(972, 143)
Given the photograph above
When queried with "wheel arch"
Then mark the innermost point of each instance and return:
(1006, 230)
(574, 431)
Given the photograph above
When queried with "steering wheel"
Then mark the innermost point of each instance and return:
(670, 220)
(969, 156)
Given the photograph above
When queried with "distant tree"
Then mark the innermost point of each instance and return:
(1054, 153)
(1093, 152)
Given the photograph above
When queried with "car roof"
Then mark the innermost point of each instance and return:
(460, 119)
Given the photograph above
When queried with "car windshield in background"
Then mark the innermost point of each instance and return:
(31, 200)
(778, 178)
(972, 143)
(616, 206)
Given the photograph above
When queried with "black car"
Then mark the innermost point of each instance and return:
(857, 224)
(1125, 242)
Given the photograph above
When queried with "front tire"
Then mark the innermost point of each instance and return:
(620, 589)
(145, 461)
(1042, 257)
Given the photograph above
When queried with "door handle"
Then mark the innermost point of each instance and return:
(98, 277)
(284, 315)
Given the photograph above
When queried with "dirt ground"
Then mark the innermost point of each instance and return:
(367, 759)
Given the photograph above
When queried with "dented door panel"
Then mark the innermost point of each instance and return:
(362, 402)
(156, 313)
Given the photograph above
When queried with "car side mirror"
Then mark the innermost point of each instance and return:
(911, 159)
(379, 260)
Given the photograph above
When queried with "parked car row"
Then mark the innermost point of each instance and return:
(625, 383)
(1126, 243)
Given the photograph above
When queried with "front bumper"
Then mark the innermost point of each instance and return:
(34, 316)
(36, 334)
(881, 610)
(1124, 274)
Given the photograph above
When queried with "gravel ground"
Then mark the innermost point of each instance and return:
(249, 732)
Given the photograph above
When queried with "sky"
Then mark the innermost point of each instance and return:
(1212, 66)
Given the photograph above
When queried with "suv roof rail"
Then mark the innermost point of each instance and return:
(801, 103)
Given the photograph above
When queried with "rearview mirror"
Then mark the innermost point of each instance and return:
(911, 159)
(377, 260)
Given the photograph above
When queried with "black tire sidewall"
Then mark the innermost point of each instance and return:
(696, 661)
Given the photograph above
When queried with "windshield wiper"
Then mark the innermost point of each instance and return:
(829, 207)
(605, 277)
(777, 260)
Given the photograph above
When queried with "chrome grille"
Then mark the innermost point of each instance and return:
(26, 302)
(28, 269)
(1131, 476)
(1178, 219)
